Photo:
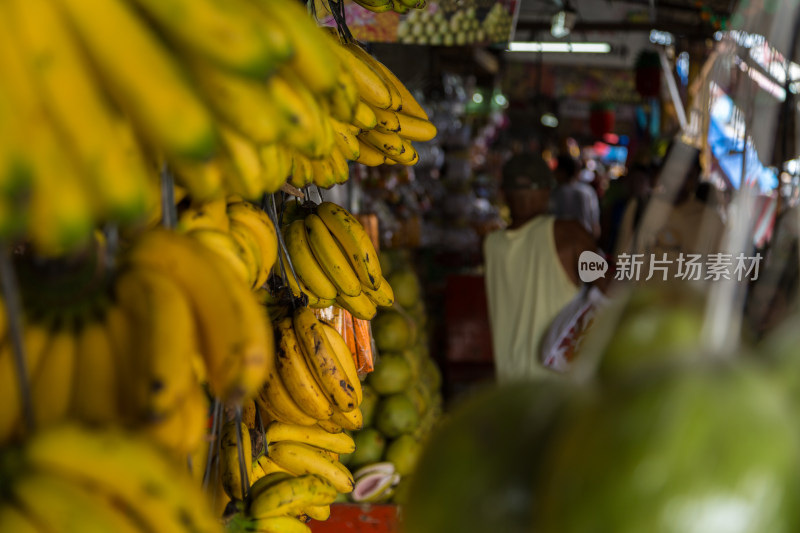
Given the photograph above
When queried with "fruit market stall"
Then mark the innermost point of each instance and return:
(241, 276)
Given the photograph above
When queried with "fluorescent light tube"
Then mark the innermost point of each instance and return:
(577, 48)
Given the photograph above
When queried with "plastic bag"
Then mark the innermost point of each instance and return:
(564, 336)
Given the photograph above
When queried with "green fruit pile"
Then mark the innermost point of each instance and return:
(666, 438)
(401, 397)
(424, 27)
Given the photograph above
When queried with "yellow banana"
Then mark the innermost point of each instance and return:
(389, 143)
(345, 357)
(323, 360)
(415, 129)
(275, 173)
(96, 375)
(263, 231)
(317, 512)
(229, 456)
(128, 469)
(162, 102)
(183, 430)
(322, 303)
(298, 377)
(370, 156)
(388, 121)
(296, 289)
(197, 217)
(408, 155)
(301, 171)
(345, 140)
(36, 337)
(52, 385)
(268, 466)
(164, 341)
(229, 250)
(58, 505)
(354, 420)
(251, 251)
(313, 435)
(409, 106)
(290, 494)
(231, 33)
(275, 398)
(245, 162)
(379, 68)
(12, 519)
(234, 339)
(330, 257)
(245, 104)
(344, 97)
(312, 61)
(370, 84)
(280, 524)
(203, 179)
(340, 166)
(323, 173)
(305, 264)
(354, 240)
(364, 118)
(299, 108)
(256, 472)
(302, 459)
(360, 306)
(329, 426)
(383, 297)
(112, 163)
(120, 335)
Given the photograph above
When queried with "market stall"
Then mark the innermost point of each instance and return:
(251, 252)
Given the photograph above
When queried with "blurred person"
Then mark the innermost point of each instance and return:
(625, 214)
(677, 223)
(531, 268)
(573, 199)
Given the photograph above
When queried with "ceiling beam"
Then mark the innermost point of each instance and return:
(699, 31)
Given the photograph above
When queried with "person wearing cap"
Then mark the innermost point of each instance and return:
(531, 268)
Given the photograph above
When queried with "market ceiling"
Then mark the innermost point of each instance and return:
(687, 18)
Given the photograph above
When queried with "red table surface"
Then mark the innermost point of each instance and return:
(359, 518)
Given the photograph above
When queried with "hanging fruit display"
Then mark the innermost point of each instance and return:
(147, 322)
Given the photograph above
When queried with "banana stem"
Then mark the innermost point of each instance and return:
(215, 419)
(262, 429)
(244, 478)
(9, 286)
(169, 216)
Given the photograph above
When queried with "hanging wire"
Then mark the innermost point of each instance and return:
(13, 303)
(273, 210)
(244, 462)
(216, 417)
(169, 215)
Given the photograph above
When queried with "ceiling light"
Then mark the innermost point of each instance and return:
(562, 23)
(549, 120)
(577, 48)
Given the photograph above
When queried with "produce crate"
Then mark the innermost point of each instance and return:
(359, 518)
